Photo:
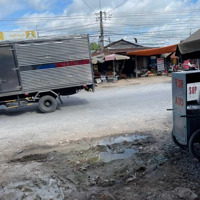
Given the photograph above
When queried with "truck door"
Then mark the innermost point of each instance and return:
(8, 75)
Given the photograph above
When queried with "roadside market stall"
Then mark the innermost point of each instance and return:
(115, 57)
(154, 54)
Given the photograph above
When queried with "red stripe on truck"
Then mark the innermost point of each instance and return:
(73, 62)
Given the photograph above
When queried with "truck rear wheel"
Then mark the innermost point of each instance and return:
(194, 144)
(47, 104)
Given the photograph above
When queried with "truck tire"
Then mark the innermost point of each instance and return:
(176, 142)
(47, 104)
(194, 144)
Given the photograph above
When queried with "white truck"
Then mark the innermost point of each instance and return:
(42, 70)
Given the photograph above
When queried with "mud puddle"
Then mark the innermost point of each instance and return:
(104, 150)
(120, 147)
(121, 139)
(110, 156)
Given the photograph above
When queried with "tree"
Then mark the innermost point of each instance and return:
(94, 46)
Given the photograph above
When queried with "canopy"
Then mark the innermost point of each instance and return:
(116, 57)
(154, 51)
(190, 48)
(98, 59)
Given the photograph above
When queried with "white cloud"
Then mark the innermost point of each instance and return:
(150, 21)
(41, 4)
(164, 21)
(8, 7)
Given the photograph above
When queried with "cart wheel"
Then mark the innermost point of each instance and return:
(194, 144)
(176, 142)
(47, 104)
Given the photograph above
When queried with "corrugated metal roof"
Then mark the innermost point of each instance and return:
(121, 46)
(120, 51)
(155, 51)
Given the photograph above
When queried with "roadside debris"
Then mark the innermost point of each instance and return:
(128, 172)
(185, 193)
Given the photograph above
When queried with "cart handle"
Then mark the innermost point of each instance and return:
(190, 115)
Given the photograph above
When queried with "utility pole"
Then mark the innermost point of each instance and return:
(109, 40)
(102, 16)
(101, 30)
(37, 31)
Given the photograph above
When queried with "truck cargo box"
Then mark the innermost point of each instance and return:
(43, 65)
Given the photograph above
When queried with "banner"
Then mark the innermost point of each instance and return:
(160, 64)
(18, 35)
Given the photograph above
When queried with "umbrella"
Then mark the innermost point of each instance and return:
(116, 57)
(190, 48)
(113, 57)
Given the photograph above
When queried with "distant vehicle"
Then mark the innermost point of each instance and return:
(42, 70)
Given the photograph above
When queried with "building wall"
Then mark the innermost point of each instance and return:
(143, 62)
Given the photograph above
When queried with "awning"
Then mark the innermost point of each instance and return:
(154, 51)
(190, 48)
(98, 59)
(116, 57)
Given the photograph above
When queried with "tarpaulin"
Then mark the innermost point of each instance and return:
(154, 51)
(190, 48)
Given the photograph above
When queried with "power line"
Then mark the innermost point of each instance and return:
(46, 18)
(122, 23)
(123, 27)
(119, 15)
(191, 11)
(87, 5)
(118, 6)
(76, 30)
(79, 26)
(170, 30)
(94, 38)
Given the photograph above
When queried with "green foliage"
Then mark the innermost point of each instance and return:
(94, 46)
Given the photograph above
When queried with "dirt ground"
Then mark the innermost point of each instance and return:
(133, 166)
(143, 165)
(134, 81)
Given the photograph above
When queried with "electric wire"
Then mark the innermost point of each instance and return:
(87, 5)
(172, 21)
(118, 6)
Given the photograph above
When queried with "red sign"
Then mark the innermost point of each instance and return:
(179, 101)
(179, 83)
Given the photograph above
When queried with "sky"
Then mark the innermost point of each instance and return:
(152, 22)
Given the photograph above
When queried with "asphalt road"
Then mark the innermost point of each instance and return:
(125, 109)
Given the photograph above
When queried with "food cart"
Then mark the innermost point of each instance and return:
(186, 110)
(186, 99)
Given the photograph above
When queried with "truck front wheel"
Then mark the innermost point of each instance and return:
(47, 104)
